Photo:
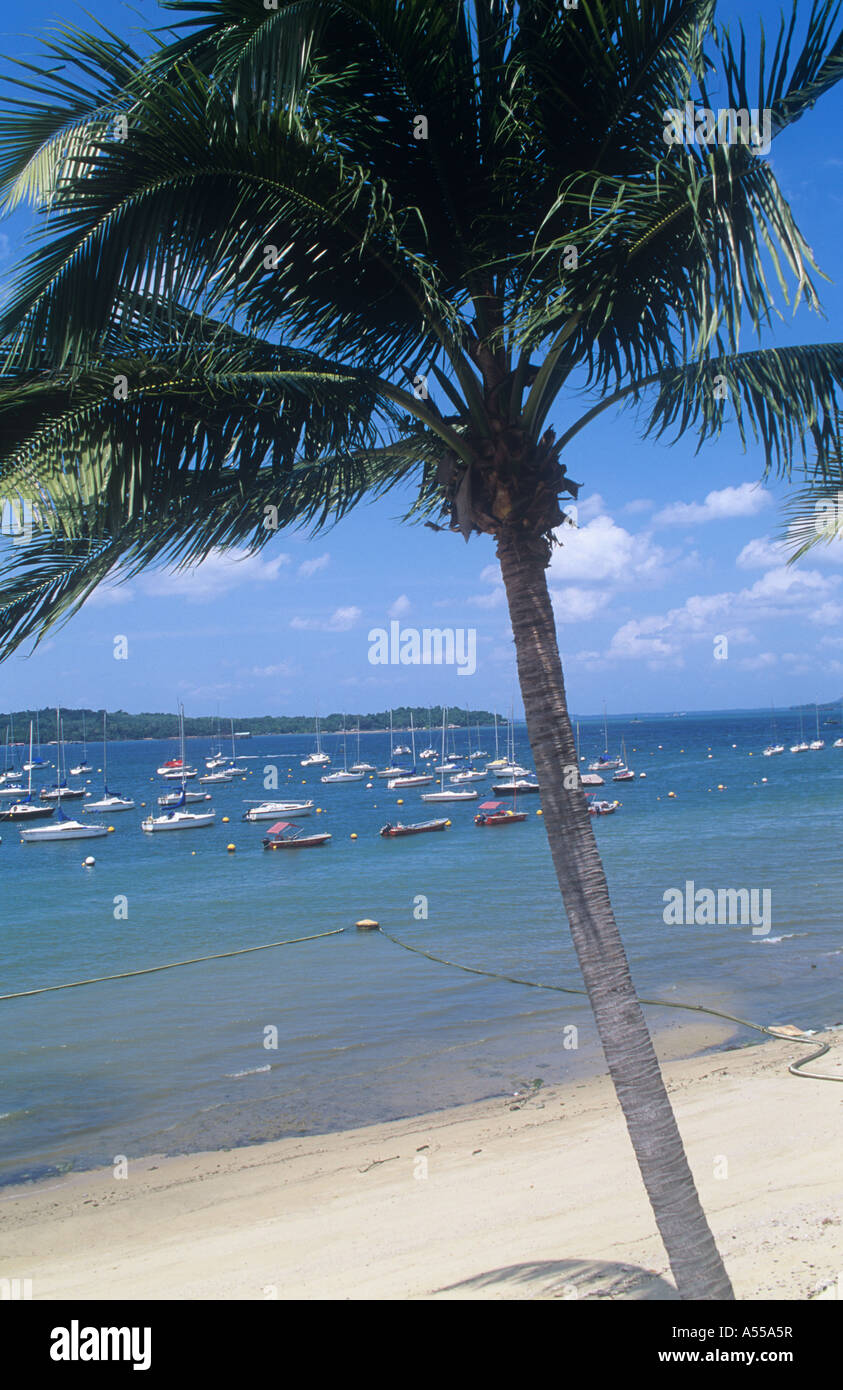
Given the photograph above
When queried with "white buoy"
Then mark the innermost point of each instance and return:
(89, 862)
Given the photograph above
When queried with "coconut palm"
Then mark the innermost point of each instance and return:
(296, 256)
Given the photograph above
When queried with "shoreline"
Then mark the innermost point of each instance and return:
(535, 1195)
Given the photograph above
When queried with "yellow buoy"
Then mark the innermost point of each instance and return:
(720, 787)
(225, 820)
(111, 830)
(193, 852)
(539, 813)
(352, 836)
(447, 822)
(671, 793)
(230, 848)
(400, 801)
(367, 924)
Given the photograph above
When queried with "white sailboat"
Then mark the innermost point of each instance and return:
(317, 759)
(109, 801)
(775, 748)
(623, 773)
(587, 779)
(442, 794)
(359, 766)
(62, 828)
(83, 766)
(25, 809)
(61, 791)
(816, 744)
(178, 818)
(392, 770)
(344, 775)
(801, 746)
(412, 778)
(604, 763)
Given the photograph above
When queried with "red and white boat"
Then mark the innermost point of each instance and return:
(277, 837)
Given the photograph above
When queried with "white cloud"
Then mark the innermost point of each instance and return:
(761, 553)
(637, 505)
(282, 669)
(592, 507)
(340, 621)
(720, 505)
(401, 606)
(602, 550)
(310, 567)
(108, 594)
(222, 571)
(575, 605)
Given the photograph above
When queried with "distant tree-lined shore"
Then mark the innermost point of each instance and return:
(124, 726)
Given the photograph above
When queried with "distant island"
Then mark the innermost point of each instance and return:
(123, 726)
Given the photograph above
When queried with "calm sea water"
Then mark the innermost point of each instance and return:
(175, 1062)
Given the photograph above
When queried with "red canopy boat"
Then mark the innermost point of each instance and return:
(277, 838)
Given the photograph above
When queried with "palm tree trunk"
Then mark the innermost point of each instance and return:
(694, 1258)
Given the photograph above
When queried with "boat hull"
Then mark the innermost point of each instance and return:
(304, 842)
(184, 821)
(69, 830)
(397, 832)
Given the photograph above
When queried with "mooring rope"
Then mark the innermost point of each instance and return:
(151, 969)
(796, 1068)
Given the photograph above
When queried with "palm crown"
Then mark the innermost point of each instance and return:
(303, 253)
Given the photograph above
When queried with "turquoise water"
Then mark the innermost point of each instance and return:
(175, 1062)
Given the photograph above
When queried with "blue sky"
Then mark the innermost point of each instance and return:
(673, 550)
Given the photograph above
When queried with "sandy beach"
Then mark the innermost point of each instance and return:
(525, 1197)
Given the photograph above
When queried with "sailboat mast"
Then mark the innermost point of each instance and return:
(442, 769)
(413, 737)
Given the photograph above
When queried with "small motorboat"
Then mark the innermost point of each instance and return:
(591, 779)
(456, 794)
(602, 808)
(178, 820)
(63, 793)
(394, 832)
(470, 776)
(315, 760)
(27, 810)
(172, 765)
(775, 748)
(279, 837)
(515, 787)
(269, 810)
(495, 813)
(110, 802)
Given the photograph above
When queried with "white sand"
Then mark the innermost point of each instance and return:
(484, 1201)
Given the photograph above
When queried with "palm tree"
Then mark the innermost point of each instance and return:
(299, 255)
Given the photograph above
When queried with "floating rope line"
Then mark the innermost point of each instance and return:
(795, 1067)
(151, 970)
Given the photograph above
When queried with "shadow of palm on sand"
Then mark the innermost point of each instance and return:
(565, 1279)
